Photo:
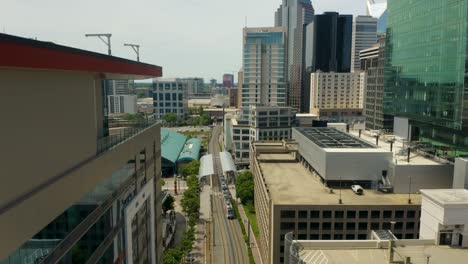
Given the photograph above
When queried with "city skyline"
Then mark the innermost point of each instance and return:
(198, 48)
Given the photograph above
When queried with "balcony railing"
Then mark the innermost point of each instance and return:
(126, 131)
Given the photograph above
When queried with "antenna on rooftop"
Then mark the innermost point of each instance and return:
(102, 37)
(135, 48)
(245, 21)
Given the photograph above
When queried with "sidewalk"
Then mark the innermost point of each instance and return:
(253, 240)
(201, 251)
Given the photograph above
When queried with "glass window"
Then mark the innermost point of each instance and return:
(287, 225)
(363, 214)
(351, 226)
(351, 214)
(288, 214)
(302, 214)
(302, 226)
(375, 226)
(399, 214)
(314, 214)
(375, 214)
(411, 214)
(387, 214)
(362, 226)
(327, 214)
(326, 226)
(339, 226)
(314, 225)
(339, 214)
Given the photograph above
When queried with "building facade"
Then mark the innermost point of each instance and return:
(378, 9)
(228, 80)
(328, 45)
(270, 123)
(195, 87)
(373, 64)
(425, 71)
(337, 96)
(85, 187)
(264, 61)
(119, 87)
(364, 37)
(119, 104)
(170, 96)
(329, 42)
(293, 15)
(290, 198)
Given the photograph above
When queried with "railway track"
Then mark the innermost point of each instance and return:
(234, 249)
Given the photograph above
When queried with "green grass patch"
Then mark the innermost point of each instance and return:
(246, 239)
(252, 216)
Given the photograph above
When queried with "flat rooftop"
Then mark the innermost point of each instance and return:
(289, 182)
(448, 196)
(400, 154)
(418, 253)
(326, 137)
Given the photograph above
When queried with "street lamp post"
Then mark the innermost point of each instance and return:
(135, 48)
(102, 37)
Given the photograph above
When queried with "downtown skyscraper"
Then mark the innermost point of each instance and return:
(293, 16)
(426, 71)
(264, 77)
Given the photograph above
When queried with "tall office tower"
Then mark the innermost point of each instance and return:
(364, 37)
(228, 80)
(425, 73)
(78, 194)
(264, 76)
(293, 16)
(328, 44)
(373, 64)
(378, 9)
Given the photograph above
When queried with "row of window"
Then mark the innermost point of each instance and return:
(362, 214)
(316, 226)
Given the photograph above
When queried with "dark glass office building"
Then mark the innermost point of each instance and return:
(327, 47)
(426, 72)
(331, 42)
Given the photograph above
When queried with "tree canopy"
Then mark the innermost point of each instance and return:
(245, 187)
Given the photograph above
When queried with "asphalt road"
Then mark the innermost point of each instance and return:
(229, 244)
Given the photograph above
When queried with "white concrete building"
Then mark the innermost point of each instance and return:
(337, 97)
(170, 96)
(264, 123)
(444, 216)
(364, 37)
(119, 104)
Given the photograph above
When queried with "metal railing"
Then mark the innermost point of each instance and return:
(125, 132)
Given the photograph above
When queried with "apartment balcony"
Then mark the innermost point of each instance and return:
(122, 131)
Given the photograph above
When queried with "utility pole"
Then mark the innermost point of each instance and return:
(135, 48)
(102, 37)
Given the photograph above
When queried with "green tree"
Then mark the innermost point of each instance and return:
(190, 168)
(173, 255)
(168, 204)
(204, 120)
(170, 118)
(141, 94)
(245, 187)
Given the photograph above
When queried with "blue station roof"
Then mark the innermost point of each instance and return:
(172, 144)
(191, 150)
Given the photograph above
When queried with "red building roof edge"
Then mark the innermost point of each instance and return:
(27, 53)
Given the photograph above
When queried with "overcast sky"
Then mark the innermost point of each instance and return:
(188, 38)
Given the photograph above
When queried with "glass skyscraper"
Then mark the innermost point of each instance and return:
(426, 71)
(264, 78)
(293, 16)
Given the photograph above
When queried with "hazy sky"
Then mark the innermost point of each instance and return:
(188, 38)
